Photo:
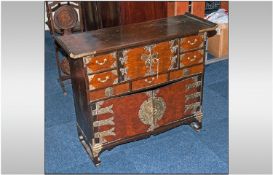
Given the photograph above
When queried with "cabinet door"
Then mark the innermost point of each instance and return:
(127, 116)
(149, 60)
(117, 118)
(179, 100)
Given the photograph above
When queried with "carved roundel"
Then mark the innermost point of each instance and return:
(65, 17)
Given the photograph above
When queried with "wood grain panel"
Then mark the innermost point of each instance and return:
(135, 65)
(174, 98)
(125, 113)
(198, 8)
(182, 7)
(164, 54)
(134, 12)
(177, 8)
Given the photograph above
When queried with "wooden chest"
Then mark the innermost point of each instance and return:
(132, 81)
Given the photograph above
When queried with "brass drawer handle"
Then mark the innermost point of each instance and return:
(192, 59)
(149, 81)
(192, 43)
(103, 80)
(101, 63)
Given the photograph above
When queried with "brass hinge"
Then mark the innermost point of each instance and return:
(194, 85)
(192, 96)
(192, 106)
(108, 121)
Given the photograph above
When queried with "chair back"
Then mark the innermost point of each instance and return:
(64, 17)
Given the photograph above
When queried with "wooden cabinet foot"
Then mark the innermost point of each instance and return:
(92, 150)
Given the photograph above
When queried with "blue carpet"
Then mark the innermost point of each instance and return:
(180, 150)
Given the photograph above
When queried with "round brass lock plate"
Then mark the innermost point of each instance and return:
(152, 110)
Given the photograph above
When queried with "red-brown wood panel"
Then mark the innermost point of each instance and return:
(182, 7)
(125, 116)
(170, 8)
(198, 8)
(178, 8)
(173, 95)
(134, 12)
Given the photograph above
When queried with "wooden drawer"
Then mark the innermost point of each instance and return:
(108, 92)
(102, 80)
(191, 58)
(100, 63)
(149, 81)
(186, 72)
(191, 42)
(149, 60)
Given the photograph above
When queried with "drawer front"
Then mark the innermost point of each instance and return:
(118, 118)
(149, 60)
(100, 63)
(191, 42)
(108, 92)
(149, 81)
(102, 80)
(187, 72)
(191, 58)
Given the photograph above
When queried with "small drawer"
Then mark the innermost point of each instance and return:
(191, 42)
(191, 58)
(108, 92)
(101, 80)
(149, 81)
(186, 72)
(100, 63)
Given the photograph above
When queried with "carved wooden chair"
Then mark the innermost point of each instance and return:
(63, 19)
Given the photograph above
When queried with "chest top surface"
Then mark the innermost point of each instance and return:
(114, 38)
